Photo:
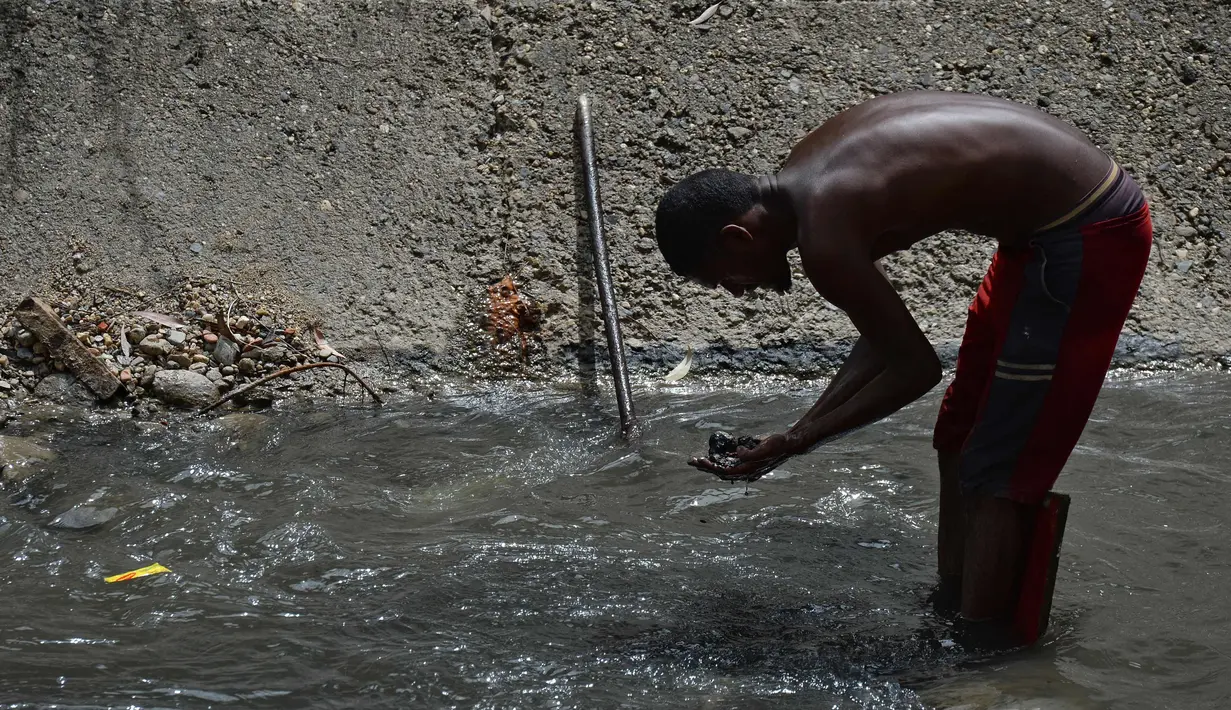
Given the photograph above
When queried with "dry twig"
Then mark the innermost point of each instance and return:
(287, 371)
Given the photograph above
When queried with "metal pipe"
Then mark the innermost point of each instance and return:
(602, 270)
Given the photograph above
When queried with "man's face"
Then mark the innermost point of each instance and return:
(744, 269)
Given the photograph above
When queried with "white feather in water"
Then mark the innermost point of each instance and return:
(681, 369)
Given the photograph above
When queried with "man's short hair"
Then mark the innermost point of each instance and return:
(695, 210)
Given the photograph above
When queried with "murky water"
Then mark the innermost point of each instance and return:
(506, 551)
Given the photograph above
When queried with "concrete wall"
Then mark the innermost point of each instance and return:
(379, 164)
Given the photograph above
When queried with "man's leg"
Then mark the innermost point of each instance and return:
(951, 535)
(986, 323)
(998, 511)
(1050, 369)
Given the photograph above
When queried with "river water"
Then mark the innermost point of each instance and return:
(505, 550)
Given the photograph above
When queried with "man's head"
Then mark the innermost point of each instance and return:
(713, 228)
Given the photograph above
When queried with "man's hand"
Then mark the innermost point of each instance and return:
(754, 463)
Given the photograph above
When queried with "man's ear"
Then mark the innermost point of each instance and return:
(734, 231)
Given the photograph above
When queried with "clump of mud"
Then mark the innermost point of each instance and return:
(723, 447)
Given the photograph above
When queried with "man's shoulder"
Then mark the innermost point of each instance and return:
(837, 192)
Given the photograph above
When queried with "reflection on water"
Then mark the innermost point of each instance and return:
(505, 550)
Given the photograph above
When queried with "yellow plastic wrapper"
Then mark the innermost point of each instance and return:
(143, 572)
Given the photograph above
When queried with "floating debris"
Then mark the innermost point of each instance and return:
(143, 572)
(681, 369)
(876, 544)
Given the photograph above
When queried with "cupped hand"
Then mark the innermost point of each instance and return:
(754, 463)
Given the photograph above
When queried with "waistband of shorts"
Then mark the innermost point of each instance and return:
(1114, 173)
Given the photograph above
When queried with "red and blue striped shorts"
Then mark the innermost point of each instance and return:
(1040, 336)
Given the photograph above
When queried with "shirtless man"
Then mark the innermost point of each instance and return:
(1073, 236)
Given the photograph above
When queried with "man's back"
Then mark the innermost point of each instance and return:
(905, 166)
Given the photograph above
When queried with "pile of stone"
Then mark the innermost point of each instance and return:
(186, 348)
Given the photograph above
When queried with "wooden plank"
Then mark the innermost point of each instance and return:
(64, 346)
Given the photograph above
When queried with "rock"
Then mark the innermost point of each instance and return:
(63, 388)
(184, 389)
(25, 354)
(228, 370)
(5, 386)
(225, 353)
(176, 337)
(244, 431)
(1186, 232)
(154, 346)
(21, 458)
(1183, 266)
(200, 358)
(247, 366)
(21, 196)
(210, 338)
(277, 353)
(181, 360)
(739, 132)
(26, 339)
(126, 376)
(84, 517)
(4, 360)
(198, 367)
(214, 375)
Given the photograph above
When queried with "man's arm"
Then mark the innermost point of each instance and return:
(892, 364)
(854, 283)
(862, 364)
